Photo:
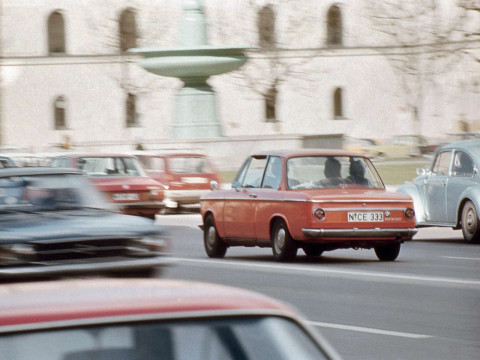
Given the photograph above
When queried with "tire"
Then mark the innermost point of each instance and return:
(470, 223)
(312, 250)
(387, 252)
(284, 247)
(214, 246)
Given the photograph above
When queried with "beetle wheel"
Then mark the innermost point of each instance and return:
(284, 247)
(470, 223)
(214, 246)
(387, 252)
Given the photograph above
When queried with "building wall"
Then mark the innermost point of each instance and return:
(95, 79)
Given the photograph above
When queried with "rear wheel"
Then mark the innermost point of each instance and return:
(312, 250)
(284, 247)
(214, 246)
(387, 252)
(470, 223)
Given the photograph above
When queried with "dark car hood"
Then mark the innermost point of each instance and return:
(73, 224)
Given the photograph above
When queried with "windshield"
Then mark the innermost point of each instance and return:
(49, 192)
(111, 166)
(189, 165)
(252, 338)
(307, 172)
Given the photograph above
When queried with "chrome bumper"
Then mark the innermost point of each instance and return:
(84, 268)
(359, 233)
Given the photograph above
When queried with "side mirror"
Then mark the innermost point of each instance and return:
(214, 185)
(235, 185)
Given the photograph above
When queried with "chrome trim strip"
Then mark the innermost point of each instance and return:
(85, 267)
(307, 201)
(358, 233)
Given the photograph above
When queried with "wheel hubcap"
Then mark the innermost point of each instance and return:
(211, 236)
(470, 223)
(280, 239)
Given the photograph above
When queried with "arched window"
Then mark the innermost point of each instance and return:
(266, 27)
(59, 112)
(271, 104)
(338, 104)
(127, 30)
(131, 110)
(334, 26)
(56, 33)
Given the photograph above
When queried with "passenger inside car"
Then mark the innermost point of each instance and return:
(357, 173)
(332, 173)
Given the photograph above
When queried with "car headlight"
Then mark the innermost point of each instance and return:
(16, 253)
(148, 244)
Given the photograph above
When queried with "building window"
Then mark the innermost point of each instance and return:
(271, 104)
(334, 26)
(131, 110)
(266, 28)
(59, 113)
(338, 104)
(56, 33)
(127, 30)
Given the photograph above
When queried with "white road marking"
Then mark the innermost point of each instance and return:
(460, 258)
(368, 330)
(358, 274)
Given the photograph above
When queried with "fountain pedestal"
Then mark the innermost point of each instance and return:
(193, 63)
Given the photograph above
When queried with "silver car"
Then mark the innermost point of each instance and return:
(448, 193)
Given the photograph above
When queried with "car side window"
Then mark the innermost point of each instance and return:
(442, 163)
(253, 176)
(273, 173)
(462, 165)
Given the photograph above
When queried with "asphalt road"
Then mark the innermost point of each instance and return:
(425, 305)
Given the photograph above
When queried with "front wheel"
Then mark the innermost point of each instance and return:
(214, 246)
(387, 252)
(284, 247)
(470, 223)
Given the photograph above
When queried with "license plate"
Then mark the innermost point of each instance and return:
(120, 197)
(365, 216)
(194, 180)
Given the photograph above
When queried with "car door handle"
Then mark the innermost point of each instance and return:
(253, 195)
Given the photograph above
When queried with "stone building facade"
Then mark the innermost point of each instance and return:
(314, 68)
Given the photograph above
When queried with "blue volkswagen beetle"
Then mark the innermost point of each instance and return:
(448, 193)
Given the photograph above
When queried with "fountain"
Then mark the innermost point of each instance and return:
(193, 62)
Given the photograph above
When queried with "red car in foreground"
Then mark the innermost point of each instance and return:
(186, 176)
(122, 178)
(100, 319)
(317, 200)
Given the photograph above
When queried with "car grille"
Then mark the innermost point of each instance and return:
(82, 249)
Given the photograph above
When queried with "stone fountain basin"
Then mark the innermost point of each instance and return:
(202, 61)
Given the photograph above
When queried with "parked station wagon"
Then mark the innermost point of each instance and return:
(316, 200)
(448, 193)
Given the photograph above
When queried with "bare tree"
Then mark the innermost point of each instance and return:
(425, 38)
(277, 28)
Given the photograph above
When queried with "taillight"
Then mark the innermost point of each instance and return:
(409, 214)
(318, 214)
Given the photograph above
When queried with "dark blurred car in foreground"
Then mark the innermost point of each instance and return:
(54, 222)
(118, 319)
(186, 176)
(122, 178)
(312, 199)
(448, 193)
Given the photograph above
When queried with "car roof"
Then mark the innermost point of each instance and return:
(83, 299)
(288, 153)
(472, 146)
(25, 171)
